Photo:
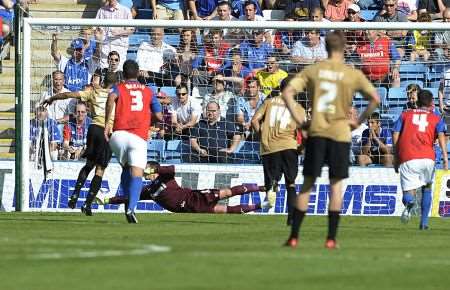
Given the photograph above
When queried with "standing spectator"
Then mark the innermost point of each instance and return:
(90, 40)
(301, 9)
(248, 105)
(310, 49)
(167, 9)
(376, 144)
(376, 57)
(434, 7)
(203, 9)
(224, 98)
(254, 52)
(238, 7)
(113, 66)
(187, 51)
(336, 10)
(77, 70)
(75, 133)
(270, 77)
(422, 40)
(141, 9)
(213, 140)
(115, 38)
(54, 137)
(391, 14)
(251, 15)
(231, 36)
(6, 17)
(185, 111)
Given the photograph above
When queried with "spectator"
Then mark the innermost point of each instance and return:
(390, 14)
(232, 36)
(444, 97)
(301, 9)
(54, 137)
(254, 52)
(59, 110)
(316, 15)
(90, 40)
(336, 10)
(187, 51)
(433, 7)
(412, 93)
(376, 56)
(157, 60)
(408, 8)
(354, 37)
(167, 9)
(6, 17)
(284, 40)
(356, 136)
(234, 72)
(442, 39)
(238, 7)
(376, 144)
(248, 105)
(251, 15)
(185, 111)
(114, 38)
(113, 66)
(213, 140)
(203, 9)
(270, 77)
(75, 133)
(77, 70)
(422, 40)
(221, 96)
(141, 9)
(309, 50)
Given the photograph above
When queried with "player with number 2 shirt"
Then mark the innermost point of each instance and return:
(414, 134)
(134, 104)
(330, 85)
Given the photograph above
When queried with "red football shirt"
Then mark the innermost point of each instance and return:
(418, 130)
(132, 112)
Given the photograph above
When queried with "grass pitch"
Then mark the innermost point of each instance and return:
(184, 251)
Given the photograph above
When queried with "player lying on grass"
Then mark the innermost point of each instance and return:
(165, 191)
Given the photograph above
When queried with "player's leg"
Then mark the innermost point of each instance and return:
(272, 175)
(82, 176)
(96, 183)
(334, 210)
(410, 180)
(427, 175)
(238, 190)
(289, 168)
(236, 209)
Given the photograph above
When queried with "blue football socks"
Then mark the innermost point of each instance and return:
(408, 199)
(426, 205)
(125, 180)
(135, 192)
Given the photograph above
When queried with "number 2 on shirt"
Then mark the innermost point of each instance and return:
(136, 101)
(421, 121)
(323, 104)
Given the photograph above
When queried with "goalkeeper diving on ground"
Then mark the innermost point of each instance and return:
(165, 191)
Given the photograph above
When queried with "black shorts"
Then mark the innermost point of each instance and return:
(320, 150)
(278, 163)
(446, 117)
(97, 149)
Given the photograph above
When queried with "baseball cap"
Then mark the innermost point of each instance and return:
(77, 43)
(354, 7)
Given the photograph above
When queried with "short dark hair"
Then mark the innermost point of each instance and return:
(130, 69)
(113, 52)
(335, 42)
(223, 3)
(251, 80)
(284, 82)
(249, 2)
(375, 116)
(153, 165)
(425, 98)
(182, 86)
(110, 79)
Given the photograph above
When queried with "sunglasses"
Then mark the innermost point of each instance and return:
(181, 94)
(389, 5)
(351, 12)
(81, 112)
(114, 59)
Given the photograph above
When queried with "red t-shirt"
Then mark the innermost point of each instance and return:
(375, 58)
(418, 130)
(132, 111)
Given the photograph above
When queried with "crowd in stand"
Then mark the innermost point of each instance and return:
(217, 78)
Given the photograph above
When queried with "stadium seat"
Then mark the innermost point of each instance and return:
(249, 146)
(440, 67)
(156, 149)
(172, 38)
(359, 100)
(433, 79)
(169, 91)
(435, 92)
(173, 151)
(368, 15)
(273, 14)
(248, 153)
(394, 112)
(405, 83)
(135, 39)
(411, 67)
(397, 96)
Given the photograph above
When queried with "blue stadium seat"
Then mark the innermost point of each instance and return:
(435, 92)
(412, 67)
(169, 91)
(368, 15)
(397, 96)
(172, 39)
(433, 79)
(156, 149)
(405, 83)
(440, 67)
(135, 39)
(249, 146)
(248, 153)
(173, 151)
(359, 100)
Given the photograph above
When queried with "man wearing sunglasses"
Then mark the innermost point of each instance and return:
(185, 111)
(113, 66)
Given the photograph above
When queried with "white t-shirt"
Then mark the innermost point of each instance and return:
(185, 112)
(151, 58)
(407, 6)
(308, 52)
(446, 87)
(58, 109)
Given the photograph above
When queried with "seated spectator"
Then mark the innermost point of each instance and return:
(234, 73)
(232, 36)
(59, 110)
(185, 111)
(354, 37)
(238, 7)
(336, 10)
(5, 17)
(356, 136)
(441, 39)
(226, 99)
(168, 9)
(78, 69)
(391, 14)
(370, 4)
(444, 97)
(114, 38)
(301, 9)
(187, 51)
(310, 49)
(412, 93)
(251, 15)
(422, 40)
(213, 139)
(376, 144)
(316, 15)
(75, 134)
(248, 105)
(203, 9)
(284, 41)
(54, 137)
(408, 8)
(141, 9)
(434, 7)
(211, 58)
(113, 66)
(157, 60)
(376, 55)
(254, 52)
(271, 76)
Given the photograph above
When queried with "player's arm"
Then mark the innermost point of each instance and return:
(295, 86)
(258, 116)
(112, 97)
(398, 125)
(443, 144)
(61, 96)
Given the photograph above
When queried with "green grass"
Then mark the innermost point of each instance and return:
(45, 251)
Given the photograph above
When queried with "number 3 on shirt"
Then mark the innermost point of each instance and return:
(136, 101)
(421, 121)
(323, 104)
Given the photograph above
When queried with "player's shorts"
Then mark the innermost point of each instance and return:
(416, 173)
(129, 149)
(97, 148)
(278, 163)
(202, 201)
(320, 150)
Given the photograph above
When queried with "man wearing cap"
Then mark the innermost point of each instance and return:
(354, 37)
(78, 69)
